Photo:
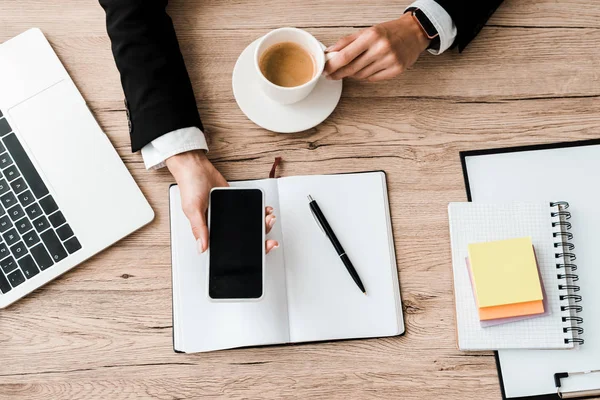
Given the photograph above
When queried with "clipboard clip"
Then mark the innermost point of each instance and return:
(576, 394)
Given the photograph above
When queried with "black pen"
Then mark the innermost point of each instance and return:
(322, 222)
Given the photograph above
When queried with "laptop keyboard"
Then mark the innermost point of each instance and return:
(34, 234)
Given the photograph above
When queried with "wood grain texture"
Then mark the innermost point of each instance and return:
(502, 63)
(103, 330)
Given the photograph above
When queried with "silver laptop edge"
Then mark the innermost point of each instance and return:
(85, 178)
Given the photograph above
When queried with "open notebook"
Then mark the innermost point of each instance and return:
(308, 295)
(557, 171)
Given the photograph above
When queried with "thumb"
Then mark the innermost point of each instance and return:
(197, 219)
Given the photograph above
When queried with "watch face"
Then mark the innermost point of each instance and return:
(425, 23)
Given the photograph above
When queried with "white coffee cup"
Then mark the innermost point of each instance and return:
(290, 95)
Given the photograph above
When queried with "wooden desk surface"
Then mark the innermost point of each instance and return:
(104, 329)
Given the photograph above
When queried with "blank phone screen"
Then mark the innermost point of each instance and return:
(236, 244)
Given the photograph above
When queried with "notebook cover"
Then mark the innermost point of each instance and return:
(514, 149)
(171, 252)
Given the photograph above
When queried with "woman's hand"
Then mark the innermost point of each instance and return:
(196, 176)
(380, 52)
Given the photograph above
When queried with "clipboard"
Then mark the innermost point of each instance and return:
(574, 157)
(577, 394)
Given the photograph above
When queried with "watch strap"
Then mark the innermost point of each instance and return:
(427, 26)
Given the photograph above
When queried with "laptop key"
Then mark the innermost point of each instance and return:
(28, 266)
(55, 248)
(72, 245)
(56, 219)
(11, 172)
(16, 278)
(48, 205)
(23, 225)
(26, 198)
(2, 210)
(4, 127)
(3, 251)
(41, 224)
(5, 160)
(30, 238)
(64, 232)
(3, 186)
(8, 265)
(18, 250)
(11, 237)
(5, 224)
(8, 200)
(18, 185)
(41, 256)
(33, 211)
(4, 285)
(32, 177)
(16, 212)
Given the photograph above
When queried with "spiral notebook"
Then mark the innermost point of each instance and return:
(546, 223)
(555, 171)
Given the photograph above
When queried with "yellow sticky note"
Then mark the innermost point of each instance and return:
(505, 272)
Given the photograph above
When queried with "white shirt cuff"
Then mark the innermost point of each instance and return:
(442, 21)
(179, 141)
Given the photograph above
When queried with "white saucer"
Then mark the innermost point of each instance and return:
(276, 117)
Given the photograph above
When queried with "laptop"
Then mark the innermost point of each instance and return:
(65, 194)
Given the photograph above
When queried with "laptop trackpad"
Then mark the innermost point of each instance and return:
(76, 160)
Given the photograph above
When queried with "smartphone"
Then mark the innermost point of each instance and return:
(236, 248)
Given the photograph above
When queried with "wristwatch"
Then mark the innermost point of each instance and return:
(427, 27)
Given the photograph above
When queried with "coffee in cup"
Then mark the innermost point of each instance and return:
(287, 64)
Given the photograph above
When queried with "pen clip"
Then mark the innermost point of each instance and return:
(317, 221)
(315, 216)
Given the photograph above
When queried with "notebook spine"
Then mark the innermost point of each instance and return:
(565, 257)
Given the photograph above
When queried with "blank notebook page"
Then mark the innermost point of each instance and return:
(473, 223)
(323, 300)
(204, 325)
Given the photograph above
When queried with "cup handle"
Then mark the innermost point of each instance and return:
(329, 56)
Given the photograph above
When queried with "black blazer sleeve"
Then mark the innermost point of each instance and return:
(158, 92)
(469, 16)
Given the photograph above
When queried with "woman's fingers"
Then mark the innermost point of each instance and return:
(370, 70)
(269, 219)
(347, 55)
(343, 42)
(270, 245)
(387, 73)
(269, 222)
(359, 63)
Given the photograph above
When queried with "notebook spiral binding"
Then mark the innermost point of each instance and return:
(565, 257)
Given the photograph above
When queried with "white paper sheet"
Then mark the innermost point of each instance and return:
(324, 302)
(200, 324)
